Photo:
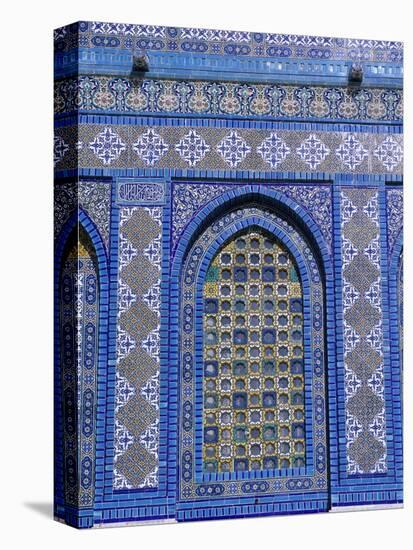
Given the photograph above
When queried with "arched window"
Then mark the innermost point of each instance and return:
(251, 348)
(79, 310)
(253, 385)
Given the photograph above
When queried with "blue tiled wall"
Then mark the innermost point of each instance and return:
(153, 149)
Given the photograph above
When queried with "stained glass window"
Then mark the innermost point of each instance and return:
(253, 384)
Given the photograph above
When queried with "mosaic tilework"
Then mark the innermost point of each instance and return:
(65, 200)
(253, 358)
(298, 151)
(92, 196)
(94, 93)
(220, 42)
(363, 333)
(79, 306)
(394, 199)
(137, 371)
(394, 203)
(60, 148)
(316, 199)
(277, 481)
(122, 146)
(188, 199)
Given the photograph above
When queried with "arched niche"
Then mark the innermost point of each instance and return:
(222, 227)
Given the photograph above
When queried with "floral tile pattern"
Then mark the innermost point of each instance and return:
(100, 93)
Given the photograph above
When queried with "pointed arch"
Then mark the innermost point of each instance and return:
(273, 200)
(80, 316)
(202, 239)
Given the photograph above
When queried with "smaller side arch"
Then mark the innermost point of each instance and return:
(80, 294)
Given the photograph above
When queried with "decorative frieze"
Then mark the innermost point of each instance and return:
(218, 148)
(131, 95)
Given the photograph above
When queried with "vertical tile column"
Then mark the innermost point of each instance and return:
(137, 373)
(363, 332)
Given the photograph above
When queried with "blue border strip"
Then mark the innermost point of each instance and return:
(157, 119)
(240, 68)
(231, 175)
(234, 117)
(396, 354)
(384, 285)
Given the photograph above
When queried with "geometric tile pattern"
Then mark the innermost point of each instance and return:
(316, 199)
(196, 97)
(264, 120)
(150, 147)
(107, 145)
(79, 310)
(207, 148)
(137, 371)
(363, 332)
(94, 198)
(188, 199)
(313, 151)
(65, 200)
(253, 416)
(233, 149)
(390, 153)
(351, 152)
(192, 148)
(273, 150)
(94, 34)
(59, 150)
